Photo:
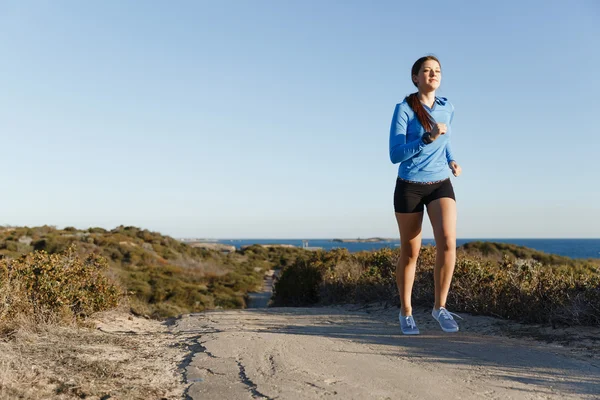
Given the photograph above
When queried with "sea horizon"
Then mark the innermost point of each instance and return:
(389, 238)
(568, 247)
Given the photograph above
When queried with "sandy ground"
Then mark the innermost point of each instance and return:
(342, 352)
(350, 353)
(118, 356)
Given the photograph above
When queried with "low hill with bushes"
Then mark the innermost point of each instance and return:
(159, 275)
(73, 273)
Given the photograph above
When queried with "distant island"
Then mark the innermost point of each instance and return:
(368, 240)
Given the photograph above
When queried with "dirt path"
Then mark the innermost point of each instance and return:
(315, 353)
(261, 299)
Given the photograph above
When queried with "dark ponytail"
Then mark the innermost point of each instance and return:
(423, 116)
(413, 99)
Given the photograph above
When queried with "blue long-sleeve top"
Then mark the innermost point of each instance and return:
(420, 162)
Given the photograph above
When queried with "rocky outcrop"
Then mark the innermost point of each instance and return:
(369, 240)
(266, 246)
(225, 248)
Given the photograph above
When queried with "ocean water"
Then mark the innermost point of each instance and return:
(574, 248)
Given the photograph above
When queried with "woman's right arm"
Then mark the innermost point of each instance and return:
(399, 149)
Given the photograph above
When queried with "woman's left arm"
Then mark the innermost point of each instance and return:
(456, 169)
(449, 155)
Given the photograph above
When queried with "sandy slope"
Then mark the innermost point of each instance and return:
(338, 352)
(118, 357)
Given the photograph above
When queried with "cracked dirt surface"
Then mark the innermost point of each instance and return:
(338, 352)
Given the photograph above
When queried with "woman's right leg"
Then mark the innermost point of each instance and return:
(409, 225)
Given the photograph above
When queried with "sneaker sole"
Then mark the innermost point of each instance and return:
(449, 330)
(411, 333)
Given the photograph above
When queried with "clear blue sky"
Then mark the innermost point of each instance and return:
(248, 119)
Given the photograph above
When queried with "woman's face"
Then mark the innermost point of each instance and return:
(429, 77)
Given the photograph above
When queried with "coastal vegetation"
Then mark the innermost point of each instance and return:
(40, 287)
(67, 274)
(493, 279)
(46, 271)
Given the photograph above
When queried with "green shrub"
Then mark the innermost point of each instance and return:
(44, 286)
(299, 284)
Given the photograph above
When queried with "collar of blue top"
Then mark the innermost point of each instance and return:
(441, 100)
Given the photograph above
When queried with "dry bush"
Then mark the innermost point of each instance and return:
(41, 287)
(521, 289)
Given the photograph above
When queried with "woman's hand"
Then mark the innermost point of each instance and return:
(438, 129)
(456, 169)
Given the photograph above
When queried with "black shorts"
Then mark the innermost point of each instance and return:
(411, 197)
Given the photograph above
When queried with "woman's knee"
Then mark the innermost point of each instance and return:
(447, 244)
(410, 250)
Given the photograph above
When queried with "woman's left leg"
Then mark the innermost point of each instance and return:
(442, 214)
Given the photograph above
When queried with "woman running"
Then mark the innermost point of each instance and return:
(420, 142)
